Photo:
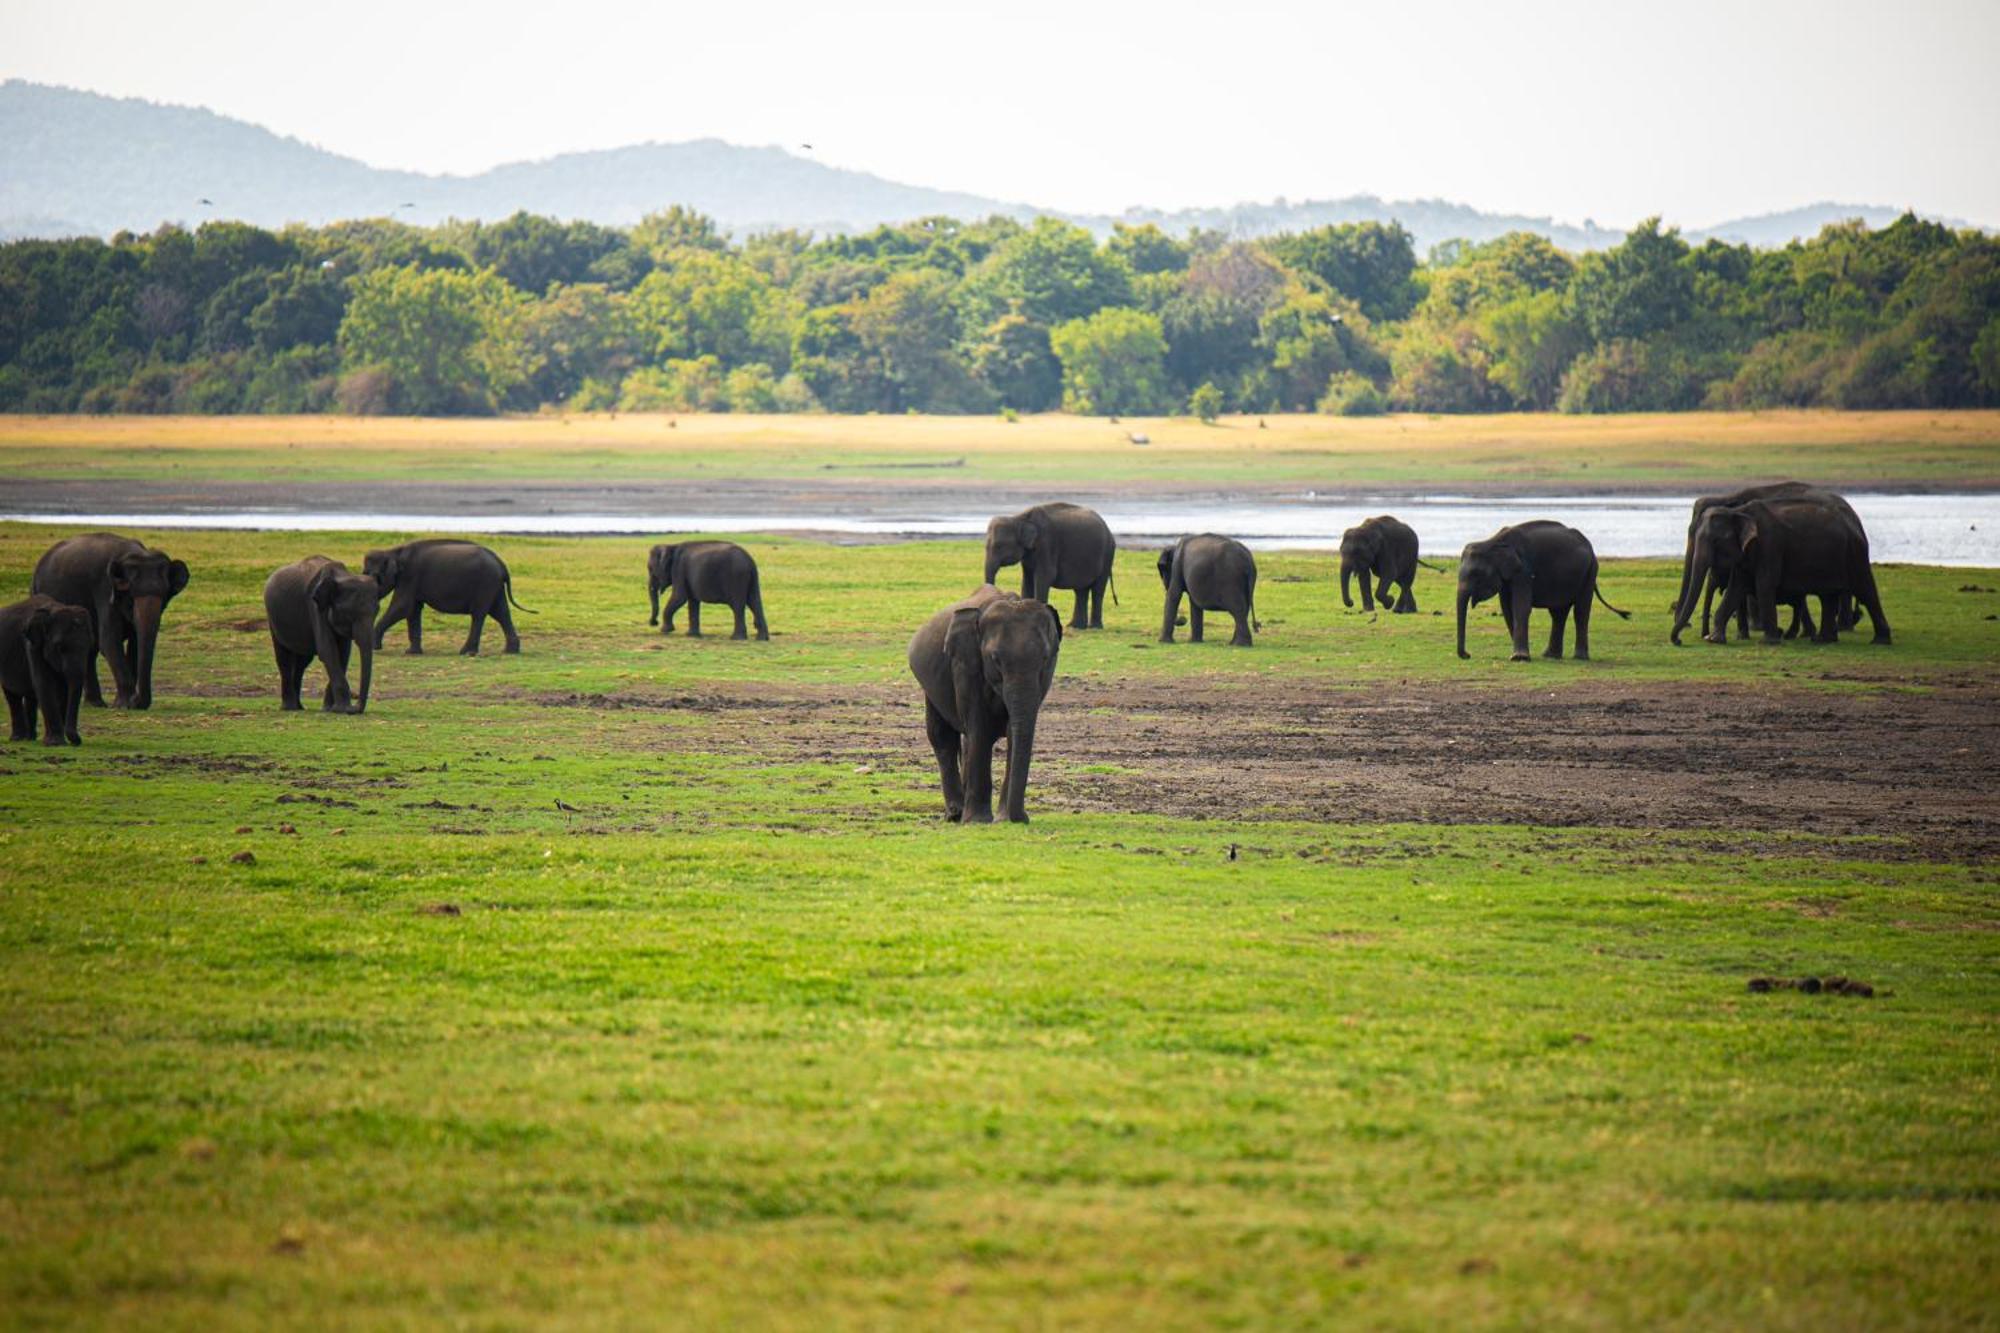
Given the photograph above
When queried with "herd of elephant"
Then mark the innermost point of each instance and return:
(985, 663)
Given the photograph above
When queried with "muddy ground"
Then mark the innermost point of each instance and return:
(1919, 767)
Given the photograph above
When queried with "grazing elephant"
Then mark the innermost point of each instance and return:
(445, 574)
(700, 572)
(1057, 546)
(125, 585)
(1217, 574)
(1782, 549)
(1382, 549)
(985, 665)
(318, 607)
(48, 652)
(1538, 564)
(1718, 579)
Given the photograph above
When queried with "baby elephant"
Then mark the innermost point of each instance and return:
(319, 608)
(1539, 564)
(47, 657)
(698, 572)
(1217, 574)
(985, 665)
(1384, 549)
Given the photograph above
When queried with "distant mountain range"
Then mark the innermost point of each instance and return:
(78, 163)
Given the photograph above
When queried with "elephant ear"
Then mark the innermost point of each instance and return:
(1033, 528)
(1747, 532)
(177, 578)
(392, 570)
(962, 651)
(36, 631)
(115, 571)
(1166, 563)
(1055, 618)
(1510, 563)
(322, 588)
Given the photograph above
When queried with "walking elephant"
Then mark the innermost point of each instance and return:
(318, 607)
(1537, 564)
(1785, 549)
(1057, 546)
(698, 572)
(1217, 574)
(125, 585)
(445, 574)
(1383, 549)
(47, 654)
(985, 665)
(1718, 579)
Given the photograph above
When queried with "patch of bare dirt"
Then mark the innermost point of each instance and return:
(1921, 767)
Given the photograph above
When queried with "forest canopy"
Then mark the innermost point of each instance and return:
(946, 316)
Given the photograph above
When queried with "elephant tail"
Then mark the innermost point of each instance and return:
(1599, 594)
(1436, 569)
(1111, 581)
(508, 583)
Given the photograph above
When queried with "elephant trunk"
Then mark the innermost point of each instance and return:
(365, 641)
(72, 705)
(1464, 598)
(1697, 580)
(992, 566)
(1346, 574)
(1022, 707)
(146, 621)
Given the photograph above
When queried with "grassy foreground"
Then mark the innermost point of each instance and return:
(751, 1039)
(1672, 452)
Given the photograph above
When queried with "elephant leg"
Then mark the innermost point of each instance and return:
(945, 744)
(675, 601)
(978, 759)
(1241, 638)
(339, 697)
(694, 618)
(1558, 622)
(1582, 653)
(471, 648)
(757, 613)
(289, 672)
(504, 618)
(93, 691)
(1384, 595)
(1194, 622)
(736, 609)
(1079, 617)
(403, 606)
(1097, 602)
(1829, 618)
(1407, 603)
(20, 716)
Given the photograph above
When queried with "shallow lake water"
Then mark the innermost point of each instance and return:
(1946, 529)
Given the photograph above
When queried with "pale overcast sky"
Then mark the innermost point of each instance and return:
(1699, 110)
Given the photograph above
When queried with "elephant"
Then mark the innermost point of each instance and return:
(1802, 621)
(1537, 564)
(1782, 549)
(48, 652)
(445, 574)
(985, 664)
(125, 585)
(700, 572)
(318, 607)
(1217, 574)
(1381, 549)
(1057, 546)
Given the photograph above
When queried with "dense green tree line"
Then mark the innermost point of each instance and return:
(948, 316)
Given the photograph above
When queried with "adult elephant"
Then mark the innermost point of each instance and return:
(445, 574)
(1537, 564)
(125, 585)
(985, 665)
(1786, 548)
(318, 607)
(1382, 549)
(46, 656)
(697, 572)
(1057, 546)
(1217, 574)
(1717, 581)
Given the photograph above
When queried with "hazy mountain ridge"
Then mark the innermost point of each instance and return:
(76, 162)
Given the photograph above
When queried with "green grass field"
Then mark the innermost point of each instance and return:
(750, 1038)
(1672, 452)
